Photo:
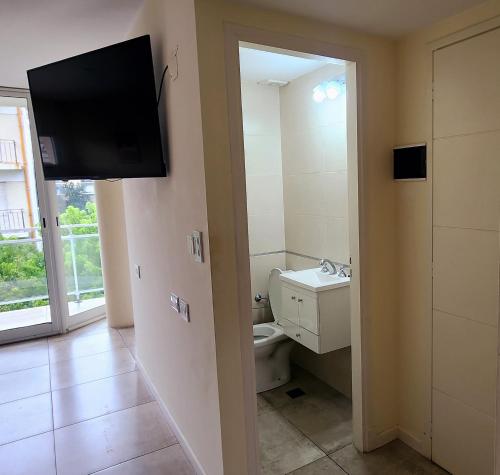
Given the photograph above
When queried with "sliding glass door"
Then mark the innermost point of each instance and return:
(50, 257)
(29, 304)
(76, 216)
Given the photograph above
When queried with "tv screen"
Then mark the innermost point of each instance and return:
(96, 114)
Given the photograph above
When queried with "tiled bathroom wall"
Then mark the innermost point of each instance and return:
(314, 154)
(264, 181)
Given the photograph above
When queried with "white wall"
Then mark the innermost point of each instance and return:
(179, 357)
(264, 182)
(314, 144)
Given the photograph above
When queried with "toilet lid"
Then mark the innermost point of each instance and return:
(275, 293)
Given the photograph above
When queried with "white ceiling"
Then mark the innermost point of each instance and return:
(37, 32)
(260, 65)
(385, 17)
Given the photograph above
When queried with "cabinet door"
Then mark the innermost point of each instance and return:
(308, 312)
(289, 307)
(290, 329)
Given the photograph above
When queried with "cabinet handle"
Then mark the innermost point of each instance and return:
(293, 297)
(300, 300)
(297, 335)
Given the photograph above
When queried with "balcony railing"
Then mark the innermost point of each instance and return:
(12, 219)
(8, 152)
(77, 284)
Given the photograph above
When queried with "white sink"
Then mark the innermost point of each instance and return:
(314, 279)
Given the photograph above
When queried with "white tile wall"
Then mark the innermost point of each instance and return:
(264, 182)
(314, 153)
(264, 179)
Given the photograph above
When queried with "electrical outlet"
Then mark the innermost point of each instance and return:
(195, 245)
(184, 309)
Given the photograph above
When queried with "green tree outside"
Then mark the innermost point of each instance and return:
(22, 266)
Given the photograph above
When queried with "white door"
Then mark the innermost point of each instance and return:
(466, 215)
(29, 300)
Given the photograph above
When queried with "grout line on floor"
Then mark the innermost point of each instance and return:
(91, 354)
(24, 369)
(136, 457)
(98, 379)
(52, 411)
(27, 437)
(104, 415)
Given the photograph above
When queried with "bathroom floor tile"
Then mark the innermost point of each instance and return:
(29, 456)
(168, 461)
(24, 355)
(25, 418)
(323, 414)
(24, 383)
(110, 440)
(322, 419)
(91, 368)
(97, 398)
(323, 466)
(394, 458)
(283, 447)
(85, 345)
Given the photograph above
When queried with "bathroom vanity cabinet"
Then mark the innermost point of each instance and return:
(318, 319)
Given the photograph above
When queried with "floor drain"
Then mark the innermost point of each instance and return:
(295, 393)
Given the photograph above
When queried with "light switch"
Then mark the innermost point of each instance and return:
(184, 309)
(174, 302)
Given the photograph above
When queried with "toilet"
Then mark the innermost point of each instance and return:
(271, 346)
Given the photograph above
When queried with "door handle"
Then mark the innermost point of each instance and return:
(300, 300)
(293, 297)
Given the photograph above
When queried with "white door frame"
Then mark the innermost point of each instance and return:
(49, 235)
(234, 34)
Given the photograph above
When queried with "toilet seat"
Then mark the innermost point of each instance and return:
(267, 334)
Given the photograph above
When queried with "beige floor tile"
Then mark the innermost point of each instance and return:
(101, 326)
(111, 439)
(34, 455)
(84, 345)
(168, 461)
(324, 466)
(97, 398)
(91, 368)
(25, 418)
(283, 448)
(128, 335)
(23, 355)
(24, 383)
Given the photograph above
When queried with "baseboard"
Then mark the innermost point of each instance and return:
(421, 446)
(378, 439)
(173, 425)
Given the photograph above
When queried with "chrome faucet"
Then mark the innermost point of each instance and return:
(327, 266)
(342, 271)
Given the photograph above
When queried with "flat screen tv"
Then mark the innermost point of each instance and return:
(96, 114)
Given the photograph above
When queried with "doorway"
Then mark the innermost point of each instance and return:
(235, 36)
(50, 269)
